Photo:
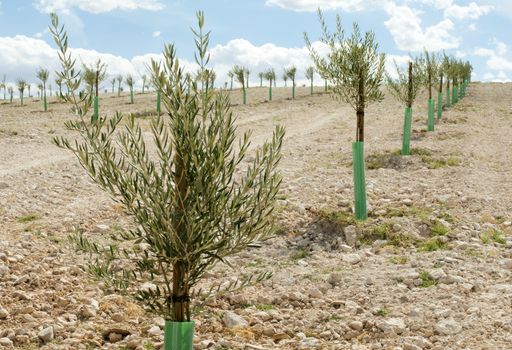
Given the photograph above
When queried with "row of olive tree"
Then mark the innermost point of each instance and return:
(428, 71)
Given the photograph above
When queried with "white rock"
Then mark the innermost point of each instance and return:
(350, 235)
(352, 258)
(6, 342)
(437, 274)
(155, 331)
(232, 320)
(448, 327)
(396, 325)
(46, 334)
(356, 325)
(3, 313)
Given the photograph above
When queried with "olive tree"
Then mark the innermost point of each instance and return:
(310, 72)
(290, 73)
(43, 75)
(239, 74)
(193, 202)
(429, 63)
(231, 76)
(3, 85)
(130, 82)
(119, 79)
(285, 78)
(405, 88)
(355, 69)
(270, 75)
(10, 90)
(21, 85)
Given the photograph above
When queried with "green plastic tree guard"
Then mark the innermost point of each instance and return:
(96, 113)
(448, 100)
(22, 100)
(326, 86)
(439, 105)
(131, 96)
(406, 141)
(158, 102)
(244, 92)
(454, 95)
(460, 91)
(45, 103)
(270, 92)
(178, 335)
(293, 91)
(359, 181)
(430, 122)
(311, 89)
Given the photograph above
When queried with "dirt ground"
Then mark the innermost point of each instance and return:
(430, 269)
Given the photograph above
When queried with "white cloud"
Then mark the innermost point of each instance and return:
(472, 27)
(156, 34)
(96, 6)
(472, 11)
(497, 63)
(326, 5)
(404, 25)
(20, 56)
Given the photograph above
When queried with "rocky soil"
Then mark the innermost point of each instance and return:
(430, 269)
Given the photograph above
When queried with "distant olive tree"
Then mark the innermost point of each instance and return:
(10, 90)
(3, 85)
(43, 75)
(405, 89)
(291, 73)
(231, 75)
(355, 68)
(22, 85)
(93, 75)
(310, 72)
(119, 80)
(269, 75)
(130, 82)
(239, 74)
(285, 78)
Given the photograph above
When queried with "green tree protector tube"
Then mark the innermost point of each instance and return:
(178, 335)
(439, 105)
(359, 181)
(406, 141)
(430, 121)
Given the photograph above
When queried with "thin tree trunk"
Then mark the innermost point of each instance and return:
(441, 84)
(180, 297)
(360, 112)
(410, 87)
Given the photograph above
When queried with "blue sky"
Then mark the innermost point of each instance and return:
(255, 33)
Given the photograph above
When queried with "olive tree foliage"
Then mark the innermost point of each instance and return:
(192, 203)
(407, 84)
(239, 75)
(43, 75)
(353, 66)
(430, 67)
(309, 73)
(89, 74)
(290, 73)
(269, 75)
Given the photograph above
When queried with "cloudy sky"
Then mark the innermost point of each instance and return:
(255, 33)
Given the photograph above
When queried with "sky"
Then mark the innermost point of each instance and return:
(258, 34)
